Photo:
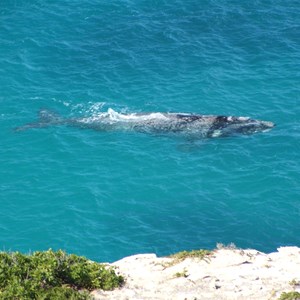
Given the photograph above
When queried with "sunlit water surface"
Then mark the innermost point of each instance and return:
(106, 195)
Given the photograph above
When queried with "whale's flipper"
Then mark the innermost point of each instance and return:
(45, 119)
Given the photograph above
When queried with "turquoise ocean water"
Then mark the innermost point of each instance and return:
(106, 195)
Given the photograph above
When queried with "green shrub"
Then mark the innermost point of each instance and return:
(180, 256)
(52, 275)
(183, 273)
(290, 296)
(194, 253)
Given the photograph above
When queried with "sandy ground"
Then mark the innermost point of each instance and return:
(226, 274)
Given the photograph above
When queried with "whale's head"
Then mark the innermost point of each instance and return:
(224, 126)
(249, 126)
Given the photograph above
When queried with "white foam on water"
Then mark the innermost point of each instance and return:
(115, 116)
(96, 107)
(112, 116)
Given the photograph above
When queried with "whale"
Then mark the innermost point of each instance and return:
(188, 124)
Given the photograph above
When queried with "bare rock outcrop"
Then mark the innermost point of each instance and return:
(224, 274)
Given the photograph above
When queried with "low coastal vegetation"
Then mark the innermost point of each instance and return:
(184, 274)
(53, 275)
(180, 256)
(294, 283)
(202, 253)
(290, 296)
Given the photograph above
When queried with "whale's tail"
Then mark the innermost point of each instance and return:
(45, 119)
